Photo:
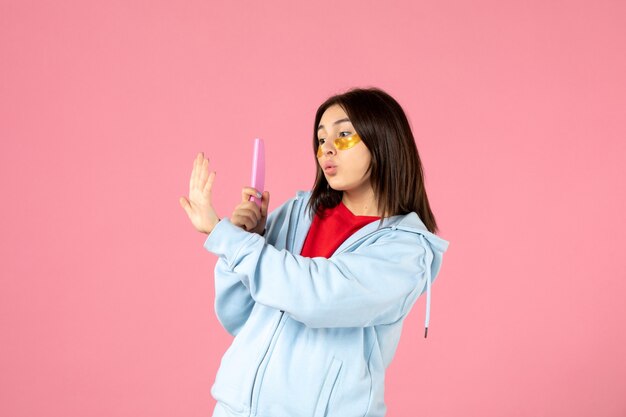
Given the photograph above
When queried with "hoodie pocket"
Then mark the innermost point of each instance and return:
(327, 388)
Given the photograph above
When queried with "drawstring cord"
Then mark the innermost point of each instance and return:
(427, 321)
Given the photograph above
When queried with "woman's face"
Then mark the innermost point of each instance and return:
(345, 163)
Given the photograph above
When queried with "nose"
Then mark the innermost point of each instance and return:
(327, 148)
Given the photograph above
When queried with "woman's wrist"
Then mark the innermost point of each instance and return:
(211, 226)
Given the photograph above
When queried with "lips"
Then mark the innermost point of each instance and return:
(329, 167)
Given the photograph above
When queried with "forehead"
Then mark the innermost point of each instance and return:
(331, 115)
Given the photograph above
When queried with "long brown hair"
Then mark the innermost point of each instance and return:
(395, 171)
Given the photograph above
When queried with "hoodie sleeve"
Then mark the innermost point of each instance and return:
(233, 302)
(376, 284)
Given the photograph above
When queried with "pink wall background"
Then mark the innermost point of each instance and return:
(106, 301)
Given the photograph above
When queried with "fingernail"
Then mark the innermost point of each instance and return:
(259, 195)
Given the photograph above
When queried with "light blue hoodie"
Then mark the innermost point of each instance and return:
(313, 336)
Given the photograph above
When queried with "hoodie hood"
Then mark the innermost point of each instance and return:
(407, 222)
(412, 223)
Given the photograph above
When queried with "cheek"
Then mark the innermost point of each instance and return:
(365, 169)
(365, 166)
(366, 160)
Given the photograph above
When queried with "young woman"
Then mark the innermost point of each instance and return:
(315, 293)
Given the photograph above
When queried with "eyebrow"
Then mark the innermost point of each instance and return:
(345, 119)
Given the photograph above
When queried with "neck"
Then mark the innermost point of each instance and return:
(361, 203)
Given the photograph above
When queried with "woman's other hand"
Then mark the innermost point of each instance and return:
(198, 206)
(248, 215)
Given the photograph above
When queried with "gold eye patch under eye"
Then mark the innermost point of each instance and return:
(346, 142)
(342, 143)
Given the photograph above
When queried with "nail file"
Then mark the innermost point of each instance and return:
(258, 169)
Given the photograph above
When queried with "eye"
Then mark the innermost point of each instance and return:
(321, 141)
(341, 134)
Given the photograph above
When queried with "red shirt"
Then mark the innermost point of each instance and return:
(330, 230)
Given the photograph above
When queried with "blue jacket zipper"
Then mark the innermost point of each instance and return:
(255, 384)
(267, 353)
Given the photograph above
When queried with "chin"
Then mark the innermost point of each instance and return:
(337, 187)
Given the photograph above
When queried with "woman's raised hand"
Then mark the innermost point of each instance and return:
(198, 206)
(248, 215)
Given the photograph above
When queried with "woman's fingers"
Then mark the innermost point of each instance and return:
(248, 209)
(244, 219)
(204, 173)
(185, 205)
(198, 204)
(201, 179)
(200, 172)
(245, 222)
(209, 185)
(246, 215)
(265, 203)
(247, 192)
(195, 173)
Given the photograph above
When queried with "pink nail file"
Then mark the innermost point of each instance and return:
(258, 169)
